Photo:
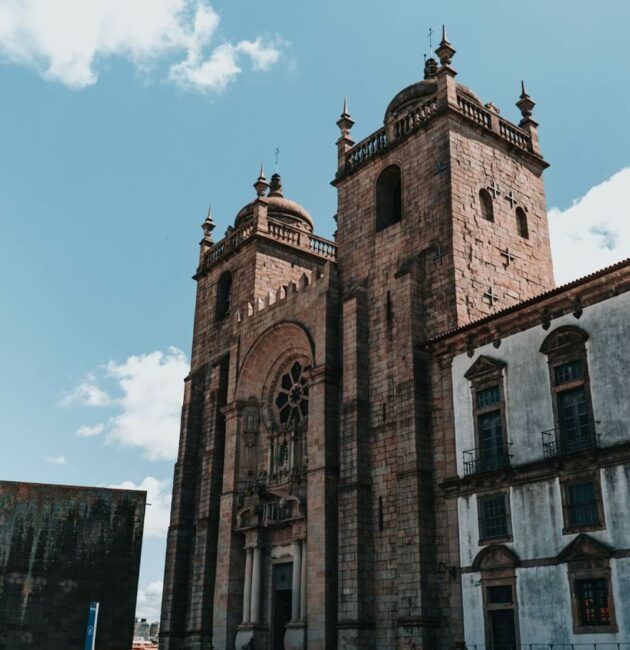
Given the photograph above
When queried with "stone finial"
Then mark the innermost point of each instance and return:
(491, 106)
(525, 104)
(445, 50)
(430, 68)
(261, 183)
(208, 226)
(275, 187)
(345, 122)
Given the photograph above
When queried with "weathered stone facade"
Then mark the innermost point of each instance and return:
(62, 548)
(307, 508)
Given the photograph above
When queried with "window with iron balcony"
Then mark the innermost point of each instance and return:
(492, 450)
(575, 428)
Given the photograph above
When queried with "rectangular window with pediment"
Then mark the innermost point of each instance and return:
(574, 427)
(593, 606)
(501, 614)
(593, 601)
(590, 583)
(491, 448)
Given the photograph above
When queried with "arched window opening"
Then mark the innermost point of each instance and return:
(521, 223)
(485, 200)
(388, 197)
(224, 295)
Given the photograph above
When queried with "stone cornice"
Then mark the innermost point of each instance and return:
(538, 310)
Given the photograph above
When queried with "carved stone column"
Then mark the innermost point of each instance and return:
(247, 592)
(252, 629)
(296, 588)
(303, 584)
(256, 585)
(295, 635)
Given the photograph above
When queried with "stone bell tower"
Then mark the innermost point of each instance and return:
(252, 539)
(441, 221)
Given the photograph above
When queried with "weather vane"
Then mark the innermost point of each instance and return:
(430, 37)
(277, 155)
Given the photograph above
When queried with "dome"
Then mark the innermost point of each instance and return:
(279, 208)
(417, 92)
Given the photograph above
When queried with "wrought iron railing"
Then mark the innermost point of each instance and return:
(482, 459)
(273, 512)
(561, 442)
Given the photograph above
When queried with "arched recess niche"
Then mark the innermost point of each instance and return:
(266, 360)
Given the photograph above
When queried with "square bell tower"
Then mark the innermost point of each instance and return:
(441, 221)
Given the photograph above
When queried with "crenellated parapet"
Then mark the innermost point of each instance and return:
(287, 293)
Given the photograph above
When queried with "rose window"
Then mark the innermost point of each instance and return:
(292, 396)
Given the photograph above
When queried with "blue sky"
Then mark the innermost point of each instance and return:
(122, 120)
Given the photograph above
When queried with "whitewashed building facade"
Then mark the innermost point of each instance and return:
(540, 418)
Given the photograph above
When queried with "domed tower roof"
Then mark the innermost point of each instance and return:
(421, 90)
(279, 208)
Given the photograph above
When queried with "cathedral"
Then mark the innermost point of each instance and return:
(407, 437)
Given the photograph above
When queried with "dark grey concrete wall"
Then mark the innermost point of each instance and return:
(61, 548)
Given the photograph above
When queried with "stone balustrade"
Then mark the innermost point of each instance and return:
(419, 115)
(514, 135)
(474, 112)
(228, 243)
(275, 230)
(365, 149)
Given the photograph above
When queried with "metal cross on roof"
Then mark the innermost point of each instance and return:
(511, 198)
(494, 189)
(490, 296)
(509, 258)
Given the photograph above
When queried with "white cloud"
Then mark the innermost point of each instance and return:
(87, 393)
(56, 460)
(158, 512)
(67, 40)
(263, 55)
(149, 601)
(87, 431)
(594, 232)
(215, 72)
(148, 405)
(152, 386)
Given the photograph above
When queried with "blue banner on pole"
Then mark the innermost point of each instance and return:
(90, 633)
